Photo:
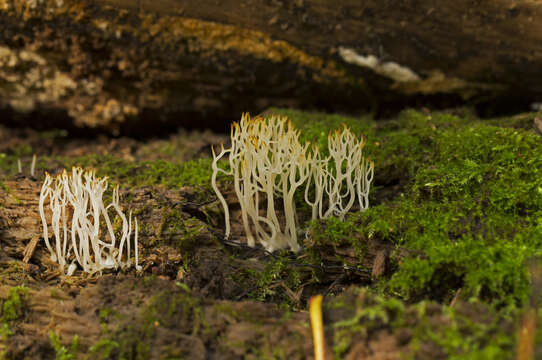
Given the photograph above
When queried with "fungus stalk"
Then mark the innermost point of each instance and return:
(319, 176)
(216, 170)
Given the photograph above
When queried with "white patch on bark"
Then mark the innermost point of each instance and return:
(389, 69)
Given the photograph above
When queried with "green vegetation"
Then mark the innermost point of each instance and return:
(487, 335)
(159, 172)
(468, 331)
(13, 309)
(14, 306)
(276, 280)
(315, 127)
(328, 237)
(103, 349)
(105, 346)
(61, 351)
(125, 172)
(184, 233)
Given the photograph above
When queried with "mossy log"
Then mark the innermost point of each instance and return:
(455, 216)
(123, 64)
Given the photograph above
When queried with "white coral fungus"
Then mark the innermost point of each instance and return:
(341, 177)
(267, 160)
(74, 205)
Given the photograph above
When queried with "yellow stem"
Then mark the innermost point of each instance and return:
(317, 324)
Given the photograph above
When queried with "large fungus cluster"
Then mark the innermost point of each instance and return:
(74, 205)
(268, 162)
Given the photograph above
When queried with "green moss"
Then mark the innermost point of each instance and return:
(159, 172)
(467, 331)
(14, 306)
(23, 150)
(315, 127)
(61, 351)
(274, 281)
(398, 147)
(328, 237)
(474, 213)
(365, 313)
(10, 192)
(105, 346)
(103, 349)
(521, 121)
(195, 173)
(464, 336)
(13, 309)
(185, 233)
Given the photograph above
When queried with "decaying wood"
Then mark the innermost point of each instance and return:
(30, 248)
(379, 264)
(19, 216)
(122, 65)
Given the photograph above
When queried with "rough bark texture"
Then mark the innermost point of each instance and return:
(127, 65)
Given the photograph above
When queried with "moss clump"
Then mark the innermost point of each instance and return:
(333, 240)
(315, 127)
(474, 213)
(141, 173)
(13, 309)
(61, 351)
(423, 330)
(15, 305)
(105, 346)
(277, 280)
(398, 147)
(469, 331)
(184, 233)
(194, 173)
(364, 313)
(103, 349)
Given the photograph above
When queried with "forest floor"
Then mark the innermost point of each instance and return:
(438, 267)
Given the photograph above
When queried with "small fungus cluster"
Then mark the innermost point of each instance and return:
(267, 161)
(74, 205)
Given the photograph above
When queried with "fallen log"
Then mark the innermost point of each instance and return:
(131, 66)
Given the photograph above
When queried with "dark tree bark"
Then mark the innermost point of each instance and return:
(124, 64)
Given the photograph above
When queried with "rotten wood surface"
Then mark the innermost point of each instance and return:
(134, 66)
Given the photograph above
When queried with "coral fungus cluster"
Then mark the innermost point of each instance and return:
(267, 160)
(73, 202)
